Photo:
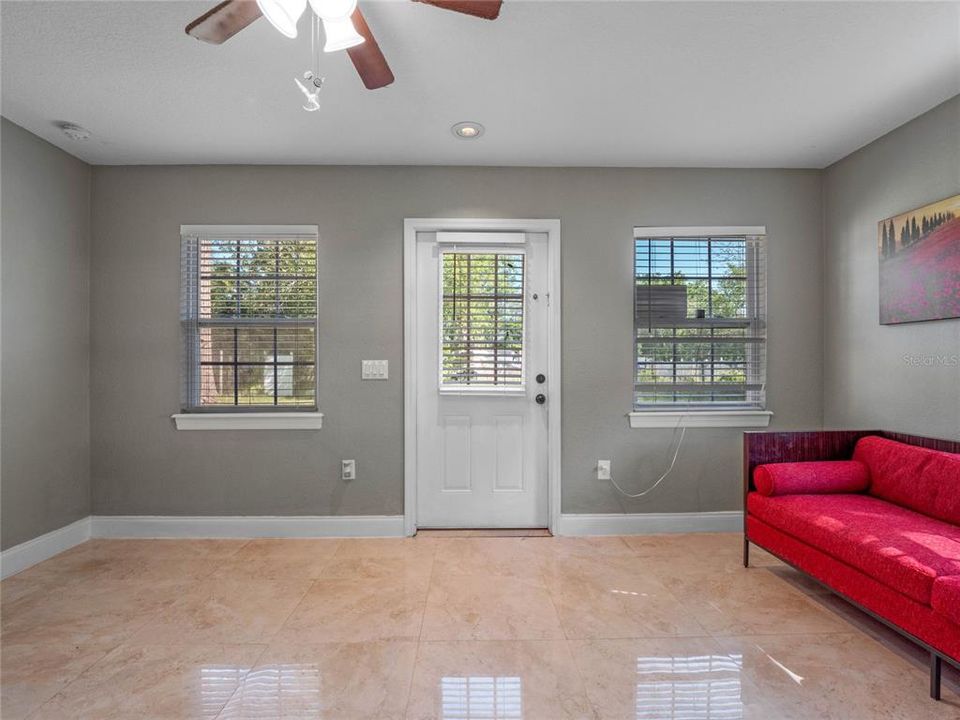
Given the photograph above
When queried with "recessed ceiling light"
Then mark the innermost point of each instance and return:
(74, 132)
(467, 130)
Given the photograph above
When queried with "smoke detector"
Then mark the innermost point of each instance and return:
(74, 132)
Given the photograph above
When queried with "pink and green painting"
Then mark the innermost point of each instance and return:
(920, 263)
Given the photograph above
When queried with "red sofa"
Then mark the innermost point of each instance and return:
(874, 516)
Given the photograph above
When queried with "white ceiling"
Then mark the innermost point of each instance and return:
(781, 84)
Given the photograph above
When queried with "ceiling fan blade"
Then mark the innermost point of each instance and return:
(368, 58)
(222, 22)
(486, 9)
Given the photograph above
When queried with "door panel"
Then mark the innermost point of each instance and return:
(456, 453)
(481, 341)
(509, 452)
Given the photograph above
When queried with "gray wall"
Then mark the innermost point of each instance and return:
(141, 464)
(898, 377)
(45, 415)
(824, 333)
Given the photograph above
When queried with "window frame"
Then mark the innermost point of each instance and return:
(702, 415)
(228, 417)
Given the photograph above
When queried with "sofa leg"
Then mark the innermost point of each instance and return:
(746, 551)
(936, 666)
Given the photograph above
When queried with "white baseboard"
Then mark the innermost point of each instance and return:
(44, 547)
(22, 556)
(246, 526)
(648, 523)
(34, 551)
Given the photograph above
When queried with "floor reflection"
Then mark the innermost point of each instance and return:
(217, 686)
(268, 692)
(695, 687)
(481, 698)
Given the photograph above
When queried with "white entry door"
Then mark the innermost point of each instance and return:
(482, 391)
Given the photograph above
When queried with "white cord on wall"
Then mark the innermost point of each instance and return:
(673, 462)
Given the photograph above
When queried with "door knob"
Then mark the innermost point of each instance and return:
(541, 378)
(540, 398)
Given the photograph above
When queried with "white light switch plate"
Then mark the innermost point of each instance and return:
(374, 369)
(603, 469)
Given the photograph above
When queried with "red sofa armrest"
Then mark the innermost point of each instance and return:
(812, 477)
(760, 448)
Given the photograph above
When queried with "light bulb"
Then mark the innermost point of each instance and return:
(341, 34)
(330, 9)
(467, 130)
(283, 14)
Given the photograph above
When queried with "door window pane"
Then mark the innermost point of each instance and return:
(482, 319)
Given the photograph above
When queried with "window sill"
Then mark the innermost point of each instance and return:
(487, 390)
(249, 421)
(700, 418)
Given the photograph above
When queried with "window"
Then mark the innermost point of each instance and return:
(699, 318)
(249, 318)
(481, 320)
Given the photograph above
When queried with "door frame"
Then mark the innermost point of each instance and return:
(412, 226)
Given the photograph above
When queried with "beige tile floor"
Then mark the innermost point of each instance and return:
(453, 626)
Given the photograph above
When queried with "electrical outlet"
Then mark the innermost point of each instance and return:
(603, 469)
(348, 469)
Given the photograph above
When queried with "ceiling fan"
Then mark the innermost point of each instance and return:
(345, 27)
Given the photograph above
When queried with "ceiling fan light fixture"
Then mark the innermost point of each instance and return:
(283, 14)
(341, 34)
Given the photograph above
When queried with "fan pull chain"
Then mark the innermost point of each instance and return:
(315, 44)
(312, 76)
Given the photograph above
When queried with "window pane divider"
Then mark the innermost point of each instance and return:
(265, 321)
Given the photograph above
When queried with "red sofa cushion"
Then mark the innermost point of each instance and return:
(922, 621)
(902, 549)
(801, 478)
(927, 481)
(946, 597)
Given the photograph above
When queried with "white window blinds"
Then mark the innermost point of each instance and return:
(249, 319)
(482, 319)
(699, 320)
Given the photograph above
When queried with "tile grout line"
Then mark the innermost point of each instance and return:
(566, 640)
(128, 641)
(39, 706)
(426, 597)
(239, 688)
(266, 643)
(313, 583)
(416, 655)
(553, 602)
